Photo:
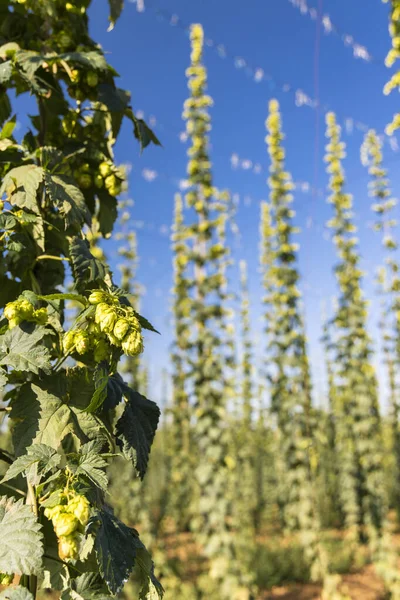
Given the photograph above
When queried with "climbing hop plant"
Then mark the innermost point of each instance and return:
(69, 410)
(204, 255)
(391, 58)
(287, 363)
(181, 455)
(384, 206)
(358, 438)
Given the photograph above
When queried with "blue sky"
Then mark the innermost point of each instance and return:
(151, 56)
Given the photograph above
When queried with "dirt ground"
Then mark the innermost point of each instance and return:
(364, 585)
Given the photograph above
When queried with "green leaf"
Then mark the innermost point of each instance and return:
(8, 49)
(91, 464)
(91, 60)
(146, 324)
(20, 348)
(5, 107)
(3, 379)
(116, 7)
(151, 588)
(116, 546)
(114, 392)
(88, 586)
(107, 212)
(24, 415)
(7, 222)
(16, 593)
(42, 457)
(69, 200)
(29, 61)
(8, 128)
(144, 134)
(74, 297)
(100, 377)
(21, 547)
(86, 268)
(26, 179)
(55, 418)
(136, 428)
(115, 99)
(5, 71)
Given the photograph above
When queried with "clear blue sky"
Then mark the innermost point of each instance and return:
(151, 57)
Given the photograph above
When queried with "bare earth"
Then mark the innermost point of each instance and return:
(364, 585)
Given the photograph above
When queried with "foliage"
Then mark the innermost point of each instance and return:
(358, 440)
(58, 197)
(200, 294)
(288, 371)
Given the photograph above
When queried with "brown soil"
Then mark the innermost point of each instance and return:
(364, 585)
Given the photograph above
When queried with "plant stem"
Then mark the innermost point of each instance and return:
(51, 257)
(14, 489)
(31, 500)
(4, 456)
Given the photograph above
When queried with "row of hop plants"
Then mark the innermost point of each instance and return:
(271, 462)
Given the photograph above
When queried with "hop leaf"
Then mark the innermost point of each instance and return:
(136, 428)
(21, 547)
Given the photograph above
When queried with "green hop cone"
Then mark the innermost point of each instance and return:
(11, 310)
(133, 343)
(14, 322)
(105, 317)
(82, 342)
(68, 547)
(105, 169)
(80, 507)
(98, 181)
(52, 512)
(85, 181)
(101, 350)
(111, 181)
(6, 578)
(92, 79)
(25, 309)
(113, 340)
(65, 523)
(69, 341)
(97, 297)
(40, 316)
(121, 328)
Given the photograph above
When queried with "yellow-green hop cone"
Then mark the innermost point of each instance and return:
(6, 578)
(65, 523)
(101, 350)
(110, 181)
(69, 341)
(98, 296)
(92, 79)
(14, 322)
(51, 513)
(105, 169)
(98, 181)
(121, 328)
(11, 310)
(82, 342)
(106, 319)
(113, 340)
(133, 343)
(25, 309)
(40, 315)
(101, 311)
(80, 507)
(85, 181)
(68, 547)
